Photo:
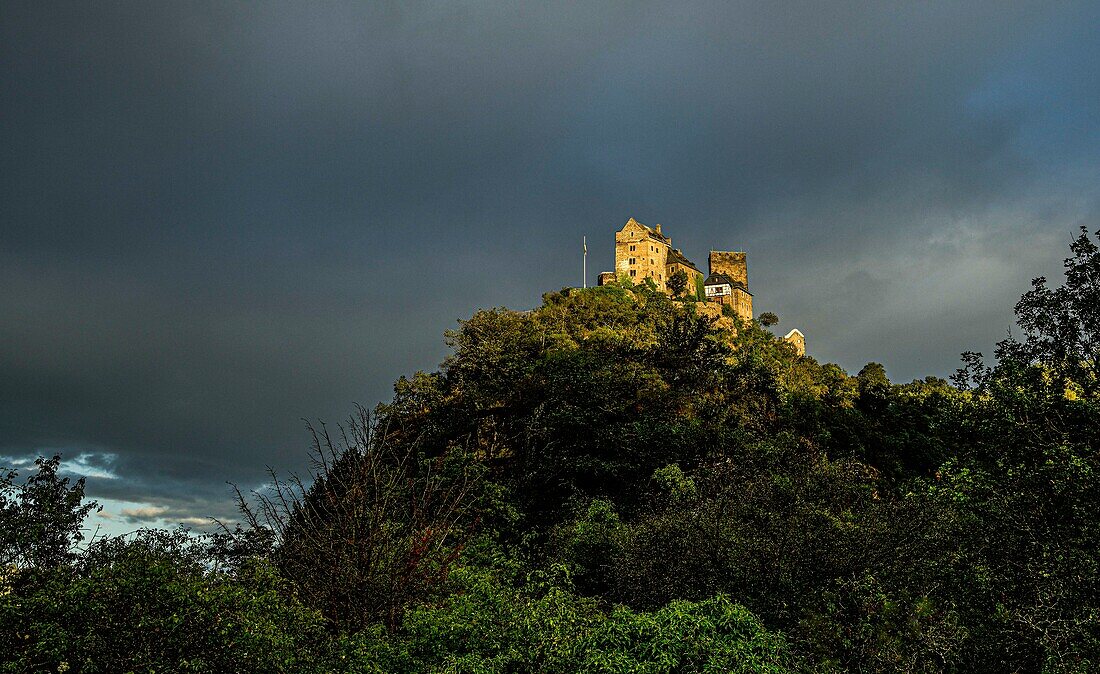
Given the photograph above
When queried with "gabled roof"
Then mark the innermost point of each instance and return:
(718, 278)
(649, 231)
(676, 257)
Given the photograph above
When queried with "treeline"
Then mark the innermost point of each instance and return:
(610, 483)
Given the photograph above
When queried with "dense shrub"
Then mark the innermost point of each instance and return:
(489, 627)
(147, 603)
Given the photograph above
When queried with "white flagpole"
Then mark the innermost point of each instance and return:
(584, 242)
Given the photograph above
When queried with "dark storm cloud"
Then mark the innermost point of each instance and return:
(217, 219)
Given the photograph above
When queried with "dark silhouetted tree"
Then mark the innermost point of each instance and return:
(1061, 326)
(678, 282)
(379, 526)
(41, 519)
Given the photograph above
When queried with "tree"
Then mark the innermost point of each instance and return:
(1062, 325)
(379, 526)
(768, 319)
(872, 377)
(149, 602)
(41, 519)
(487, 625)
(1027, 474)
(678, 282)
(1061, 333)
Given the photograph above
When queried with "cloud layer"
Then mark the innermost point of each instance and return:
(217, 219)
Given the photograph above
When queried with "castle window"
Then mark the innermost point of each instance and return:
(632, 272)
(632, 249)
(631, 260)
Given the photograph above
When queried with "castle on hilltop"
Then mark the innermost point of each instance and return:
(643, 253)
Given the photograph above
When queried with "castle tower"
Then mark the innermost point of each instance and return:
(641, 253)
(731, 263)
(734, 266)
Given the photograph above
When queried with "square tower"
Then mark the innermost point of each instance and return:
(733, 265)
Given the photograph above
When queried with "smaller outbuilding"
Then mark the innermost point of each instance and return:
(720, 288)
(717, 286)
(798, 340)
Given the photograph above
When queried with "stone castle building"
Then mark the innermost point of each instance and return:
(643, 253)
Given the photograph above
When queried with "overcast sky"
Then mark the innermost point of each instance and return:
(216, 219)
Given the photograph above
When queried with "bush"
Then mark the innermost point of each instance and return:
(489, 627)
(147, 604)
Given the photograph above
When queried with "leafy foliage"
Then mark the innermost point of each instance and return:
(489, 627)
(147, 603)
(678, 282)
(41, 519)
(1062, 325)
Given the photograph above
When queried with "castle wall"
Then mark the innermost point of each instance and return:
(710, 309)
(692, 275)
(741, 302)
(713, 310)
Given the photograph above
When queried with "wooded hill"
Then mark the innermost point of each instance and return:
(610, 483)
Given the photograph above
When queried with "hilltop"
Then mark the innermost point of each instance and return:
(645, 256)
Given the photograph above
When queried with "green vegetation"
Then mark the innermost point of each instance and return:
(677, 283)
(611, 483)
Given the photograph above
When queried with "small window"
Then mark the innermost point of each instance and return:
(632, 272)
(631, 260)
(632, 249)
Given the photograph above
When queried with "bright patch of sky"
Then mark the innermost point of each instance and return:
(119, 518)
(74, 463)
